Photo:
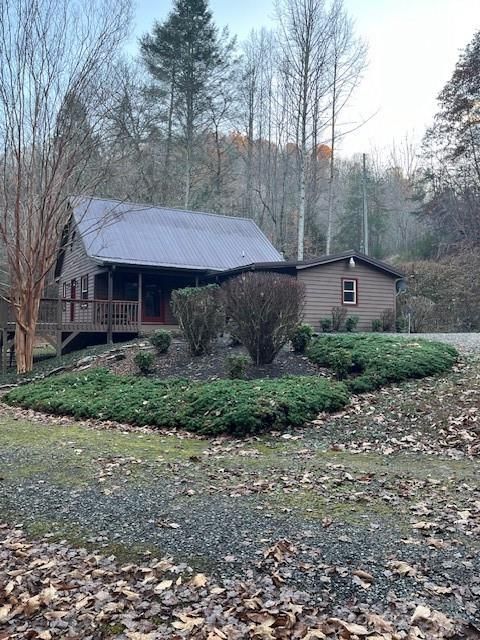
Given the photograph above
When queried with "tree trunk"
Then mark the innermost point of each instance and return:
(301, 204)
(332, 163)
(24, 341)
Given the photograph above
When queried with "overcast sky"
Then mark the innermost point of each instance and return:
(413, 47)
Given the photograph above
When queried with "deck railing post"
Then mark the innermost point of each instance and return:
(110, 308)
(139, 309)
(4, 350)
(59, 326)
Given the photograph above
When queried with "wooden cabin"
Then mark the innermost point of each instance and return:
(119, 263)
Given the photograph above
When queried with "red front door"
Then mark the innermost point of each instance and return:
(153, 308)
(73, 296)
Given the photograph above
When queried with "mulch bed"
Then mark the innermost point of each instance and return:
(178, 363)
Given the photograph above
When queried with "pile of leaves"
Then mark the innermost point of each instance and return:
(237, 407)
(369, 362)
(50, 590)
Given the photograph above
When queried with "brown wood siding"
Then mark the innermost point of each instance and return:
(76, 264)
(323, 290)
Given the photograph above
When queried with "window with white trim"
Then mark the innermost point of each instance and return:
(349, 291)
(84, 287)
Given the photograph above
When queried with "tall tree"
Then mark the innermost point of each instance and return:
(54, 91)
(305, 28)
(452, 153)
(184, 54)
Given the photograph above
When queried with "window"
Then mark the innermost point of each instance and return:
(84, 287)
(349, 291)
(64, 295)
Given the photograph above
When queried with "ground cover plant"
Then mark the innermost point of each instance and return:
(236, 407)
(369, 362)
(364, 525)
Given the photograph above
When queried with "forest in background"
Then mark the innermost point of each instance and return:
(251, 128)
(197, 120)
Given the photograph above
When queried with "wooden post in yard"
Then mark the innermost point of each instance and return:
(110, 308)
(59, 326)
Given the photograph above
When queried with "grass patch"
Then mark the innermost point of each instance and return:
(368, 362)
(237, 407)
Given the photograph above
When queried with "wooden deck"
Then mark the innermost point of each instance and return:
(65, 318)
(94, 316)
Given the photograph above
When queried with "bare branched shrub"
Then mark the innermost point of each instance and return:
(339, 315)
(264, 309)
(443, 295)
(199, 314)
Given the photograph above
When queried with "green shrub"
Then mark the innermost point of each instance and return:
(338, 318)
(351, 323)
(376, 325)
(379, 360)
(326, 325)
(236, 366)
(237, 407)
(301, 338)
(161, 340)
(341, 363)
(145, 362)
(200, 315)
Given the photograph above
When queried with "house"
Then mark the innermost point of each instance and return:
(119, 263)
(363, 286)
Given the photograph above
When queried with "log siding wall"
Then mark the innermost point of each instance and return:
(76, 263)
(323, 290)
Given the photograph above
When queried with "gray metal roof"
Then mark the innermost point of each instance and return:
(126, 233)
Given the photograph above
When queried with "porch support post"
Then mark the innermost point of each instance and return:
(140, 285)
(4, 350)
(59, 326)
(110, 308)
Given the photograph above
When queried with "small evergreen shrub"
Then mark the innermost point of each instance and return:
(341, 363)
(376, 325)
(326, 325)
(351, 323)
(338, 318)
(161, 340)
(237, 407)
(200, 315)
(236, 366)
(145, 362)
(373, 361)
(388, 320)
(301, 338)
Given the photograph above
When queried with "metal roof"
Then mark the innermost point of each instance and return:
(120, 232)
(294, 265)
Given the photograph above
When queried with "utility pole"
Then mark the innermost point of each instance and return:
(365, 206)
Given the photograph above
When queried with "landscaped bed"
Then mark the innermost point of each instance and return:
(240, 407)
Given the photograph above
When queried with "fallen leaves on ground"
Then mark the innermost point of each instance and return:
(51, 590)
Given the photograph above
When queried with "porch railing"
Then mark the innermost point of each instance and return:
(70, 314)
(119, 315)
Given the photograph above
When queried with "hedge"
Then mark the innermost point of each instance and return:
(237, 407)
(368, 362)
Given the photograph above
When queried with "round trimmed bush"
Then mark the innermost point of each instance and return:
(161, 340)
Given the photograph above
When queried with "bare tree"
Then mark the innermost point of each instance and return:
(348, 60)
(305, 30)
(54, 93)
